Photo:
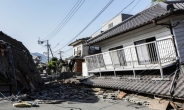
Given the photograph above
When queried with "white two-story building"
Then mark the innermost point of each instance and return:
(141, 52)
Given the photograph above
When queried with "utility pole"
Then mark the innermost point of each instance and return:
(60, 52)
(51, 51)
(47, 51)
(48, 46)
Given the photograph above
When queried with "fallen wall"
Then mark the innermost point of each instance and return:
(17, 69)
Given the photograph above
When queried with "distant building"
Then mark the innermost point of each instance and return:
(113, 22)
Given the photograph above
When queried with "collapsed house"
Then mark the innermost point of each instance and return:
(17, 69)
(143, 53)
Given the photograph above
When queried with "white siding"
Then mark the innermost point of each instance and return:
(84, 69)
(115, 21)
(179, 35)
(129, 38)
(75, 49)
(107, 60)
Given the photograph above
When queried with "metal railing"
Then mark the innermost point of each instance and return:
(156, 52)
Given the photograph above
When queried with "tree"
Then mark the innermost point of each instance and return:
(55, 65)
(60, 64)
(52, 65)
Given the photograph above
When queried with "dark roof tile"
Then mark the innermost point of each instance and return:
(145, 85)
(154, 12)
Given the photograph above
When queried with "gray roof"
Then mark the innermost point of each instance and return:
(144, 85)
(155, 12)
(79, 41)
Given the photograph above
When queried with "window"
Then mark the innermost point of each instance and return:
(77, 51)
(115, 48)
(110, 25)
(79, 48)
(118, 56)
(94, 50)
(146, 53)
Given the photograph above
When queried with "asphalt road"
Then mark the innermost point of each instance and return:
(100, 105)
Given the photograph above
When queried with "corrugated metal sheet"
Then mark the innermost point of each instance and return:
(144, 85)
(155, 12)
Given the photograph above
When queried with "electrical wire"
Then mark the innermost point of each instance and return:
(108, 4)
(81, 18)
(114, 17)
(62, 20)
(55, 46)
(68, 50)
(134, 6)
(66, 19)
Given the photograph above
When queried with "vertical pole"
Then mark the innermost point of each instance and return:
(132, 61)
(51, 51)
(60, 52)
(48, 51)
(112, 64)
(99, 66)
(159, 61)
(134, 73)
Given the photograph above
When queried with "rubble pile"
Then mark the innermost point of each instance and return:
(58, 92)
(64, 92)
(17, 69)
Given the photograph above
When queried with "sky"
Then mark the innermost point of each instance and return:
(29, 20)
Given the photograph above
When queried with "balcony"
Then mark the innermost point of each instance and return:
(153, 55)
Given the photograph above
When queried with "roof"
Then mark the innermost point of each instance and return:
(145, 85)
(79, 41)
(74, 58)
(145, 17)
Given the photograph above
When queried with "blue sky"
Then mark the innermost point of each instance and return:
(26, 20)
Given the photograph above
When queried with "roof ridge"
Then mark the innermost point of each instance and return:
(124, 21)
(156, 11)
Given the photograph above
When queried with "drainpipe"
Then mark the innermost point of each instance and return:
(171, 30)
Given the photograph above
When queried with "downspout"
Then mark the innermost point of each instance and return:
(175, 77)
(171, 31)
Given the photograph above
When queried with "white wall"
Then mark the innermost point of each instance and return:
(84, 49)
(84, 69)
(179, 35)
(129, 38)
(115, 21)
(75, 49)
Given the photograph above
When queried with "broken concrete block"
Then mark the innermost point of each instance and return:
(159, 104)
(121, 95)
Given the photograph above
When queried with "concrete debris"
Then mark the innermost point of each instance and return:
(121, 95)
(159, 104)
(138, 100)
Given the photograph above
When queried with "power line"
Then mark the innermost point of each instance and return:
(134, 6)
(55, 46)
(81, 18)
(66, 19)
(61, 21)
(68, 50)
(108, 4)
(114, 16)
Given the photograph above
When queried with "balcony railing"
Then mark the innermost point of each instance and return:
(156, 52)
